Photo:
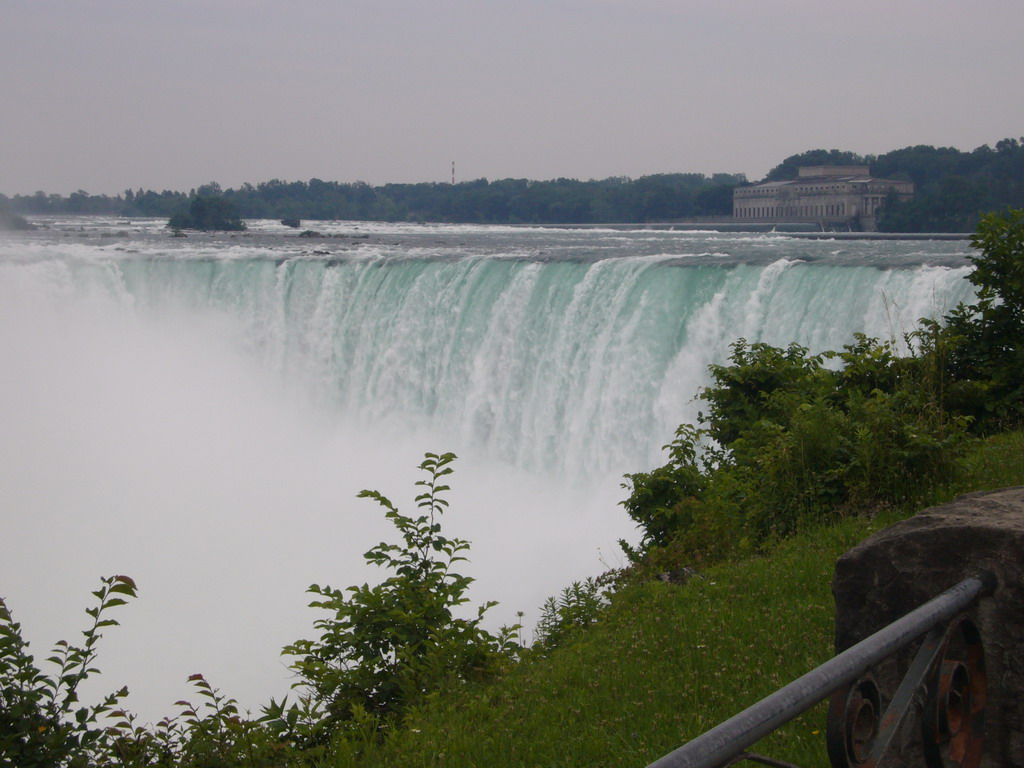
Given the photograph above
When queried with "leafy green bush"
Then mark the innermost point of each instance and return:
(575, 608)
(213, 734)
(662, 500)
(385, 648)
(42, 723)
(754, 386)
(983, 340)
(787, 440)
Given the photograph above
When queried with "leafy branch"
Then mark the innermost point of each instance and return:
(385, 648)
(40, 724)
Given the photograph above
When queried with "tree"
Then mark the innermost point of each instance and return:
(210, 189)
(984, 340)
(952, 188)
(208, 213)
(788, 168)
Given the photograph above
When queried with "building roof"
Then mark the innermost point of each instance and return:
(854, 178)
(817, 171)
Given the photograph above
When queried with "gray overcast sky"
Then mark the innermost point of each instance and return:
(103, 95)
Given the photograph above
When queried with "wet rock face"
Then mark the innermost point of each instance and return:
(898, 569)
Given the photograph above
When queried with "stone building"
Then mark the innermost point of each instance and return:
(843, 197)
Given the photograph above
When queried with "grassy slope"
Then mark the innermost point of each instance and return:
(668, 662)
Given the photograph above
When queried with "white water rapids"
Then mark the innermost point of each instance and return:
(200, 413)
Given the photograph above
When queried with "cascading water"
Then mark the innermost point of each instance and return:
(566, 367)
(199, 414)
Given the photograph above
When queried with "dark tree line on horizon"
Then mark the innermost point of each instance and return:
(619, 199)
(952, 189)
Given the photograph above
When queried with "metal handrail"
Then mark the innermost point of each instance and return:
(728, 740)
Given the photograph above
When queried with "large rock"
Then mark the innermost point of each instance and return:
(898, 569)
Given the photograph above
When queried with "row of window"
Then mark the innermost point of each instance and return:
(795, 211)
(756, 192)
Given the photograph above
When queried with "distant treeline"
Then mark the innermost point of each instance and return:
(650, 198)
(952, 189)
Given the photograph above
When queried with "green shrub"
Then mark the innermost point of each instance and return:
(983, 340)
(385, 648)
(744, 392)
(42, 722)
(662, 501)
(786, 441)
(575, 608)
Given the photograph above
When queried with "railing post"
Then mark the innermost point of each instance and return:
(897, 568)
(897, 702)
(725, 741)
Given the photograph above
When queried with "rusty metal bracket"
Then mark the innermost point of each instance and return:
(945, 686)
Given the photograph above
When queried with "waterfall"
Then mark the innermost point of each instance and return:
(565, 367)
(200, 413)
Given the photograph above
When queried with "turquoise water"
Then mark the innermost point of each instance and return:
(200, 412)
(559, 351)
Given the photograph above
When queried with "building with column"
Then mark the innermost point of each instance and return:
(835, 197)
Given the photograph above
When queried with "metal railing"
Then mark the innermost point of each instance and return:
(949, 665)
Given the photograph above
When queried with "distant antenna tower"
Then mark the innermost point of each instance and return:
(453, 173)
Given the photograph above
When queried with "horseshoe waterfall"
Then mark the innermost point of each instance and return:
(200, 412)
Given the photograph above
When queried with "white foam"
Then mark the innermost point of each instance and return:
(199, 413)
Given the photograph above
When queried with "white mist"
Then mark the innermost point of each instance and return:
(205, 429)
(155, 448)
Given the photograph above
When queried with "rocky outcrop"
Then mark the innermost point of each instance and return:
(905, 565)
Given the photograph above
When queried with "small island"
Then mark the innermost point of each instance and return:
(12, 221)
(208, 214)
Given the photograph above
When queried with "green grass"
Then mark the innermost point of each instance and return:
(665, 663)
(996, 462)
